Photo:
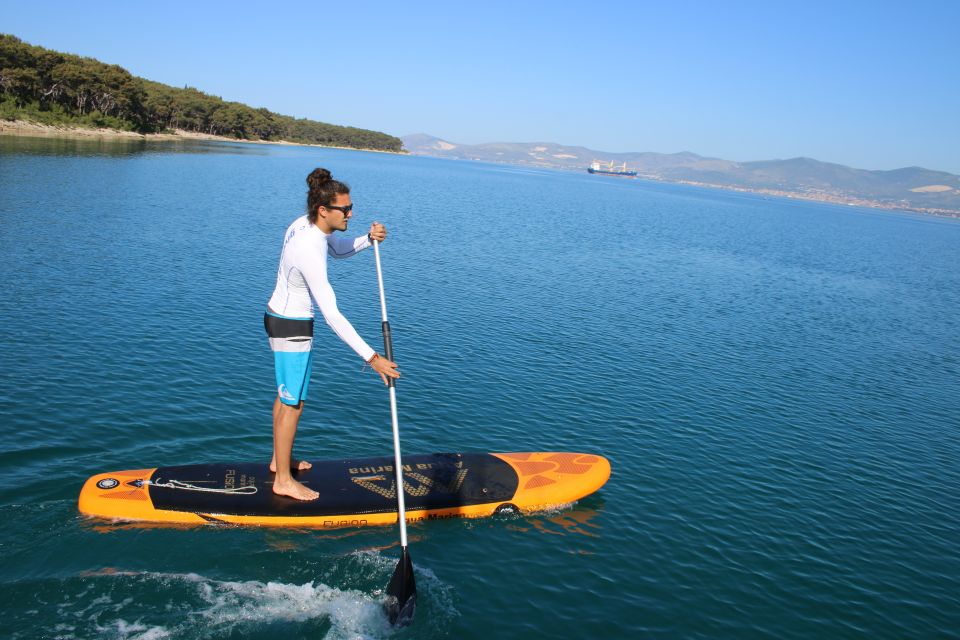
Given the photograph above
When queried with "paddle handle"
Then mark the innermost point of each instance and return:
(385, 324)
(388, 348)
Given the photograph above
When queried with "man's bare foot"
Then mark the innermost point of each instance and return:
(300, 466)
(294, 489)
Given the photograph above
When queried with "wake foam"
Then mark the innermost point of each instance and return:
(351, 614)
(131, 631)
(152, 606)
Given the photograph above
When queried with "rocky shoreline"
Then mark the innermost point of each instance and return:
(35, 129)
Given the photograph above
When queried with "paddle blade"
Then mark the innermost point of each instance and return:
(401, 592)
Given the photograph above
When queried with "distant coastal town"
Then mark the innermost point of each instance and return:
(816, 195)
(819, 196)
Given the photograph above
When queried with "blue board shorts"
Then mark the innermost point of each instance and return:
(291, 340)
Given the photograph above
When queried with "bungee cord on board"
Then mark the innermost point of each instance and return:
(186, 486)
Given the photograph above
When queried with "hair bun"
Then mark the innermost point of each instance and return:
(318, 177)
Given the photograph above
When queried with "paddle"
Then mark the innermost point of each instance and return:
(402, 590)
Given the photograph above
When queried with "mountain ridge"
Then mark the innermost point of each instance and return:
(909, 188)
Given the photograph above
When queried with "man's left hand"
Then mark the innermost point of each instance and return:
(377, 232)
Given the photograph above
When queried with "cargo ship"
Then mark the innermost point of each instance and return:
(611, 169)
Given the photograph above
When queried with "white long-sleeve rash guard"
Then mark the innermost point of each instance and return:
(303, 275)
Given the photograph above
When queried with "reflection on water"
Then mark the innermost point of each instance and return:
(85, 146)
(576, 520)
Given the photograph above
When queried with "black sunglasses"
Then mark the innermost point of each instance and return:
(345, 210)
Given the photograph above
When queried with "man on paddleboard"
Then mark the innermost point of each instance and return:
(301, 283)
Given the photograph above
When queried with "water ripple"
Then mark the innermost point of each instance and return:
(775, 383)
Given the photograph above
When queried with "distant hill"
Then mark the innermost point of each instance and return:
(911, 188)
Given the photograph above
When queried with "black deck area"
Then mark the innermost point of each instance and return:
(351, 486)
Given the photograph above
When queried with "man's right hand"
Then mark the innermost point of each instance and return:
(386, 368)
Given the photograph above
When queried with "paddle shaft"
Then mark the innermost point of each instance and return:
(388, 348)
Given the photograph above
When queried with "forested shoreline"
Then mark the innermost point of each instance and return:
(56, 88)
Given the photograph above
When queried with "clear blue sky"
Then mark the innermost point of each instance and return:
(868, 84)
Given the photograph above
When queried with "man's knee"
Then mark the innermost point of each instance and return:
(291, 407)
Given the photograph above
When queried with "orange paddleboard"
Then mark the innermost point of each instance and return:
(353, 492)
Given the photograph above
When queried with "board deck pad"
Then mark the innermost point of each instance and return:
(353, 492)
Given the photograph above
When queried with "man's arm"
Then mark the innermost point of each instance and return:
(341, 247)
(344, 248)
(316, 277)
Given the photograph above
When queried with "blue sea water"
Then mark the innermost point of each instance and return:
(775, 383)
